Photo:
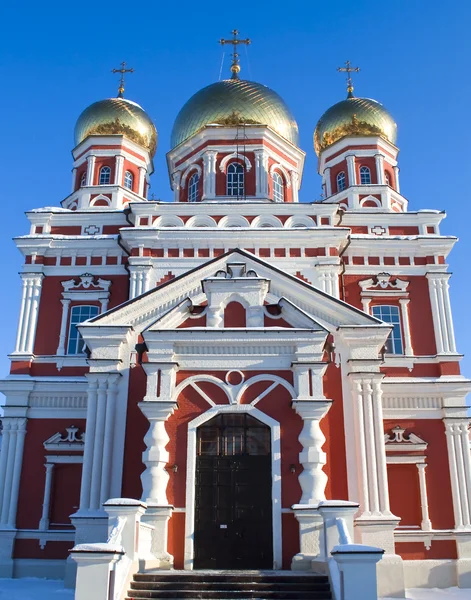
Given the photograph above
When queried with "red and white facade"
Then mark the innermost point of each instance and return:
(238, 304)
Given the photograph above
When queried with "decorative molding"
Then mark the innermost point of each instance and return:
(234, 155)
(193, 167)
(396, 441)
(73, 440)
(383, 283)
(286, 175)
(87, 281)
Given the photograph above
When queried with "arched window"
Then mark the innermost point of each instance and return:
(83, 179)
(193, 188)
(105, 175)
(341, 181)
(235, 180)
(278, 188)
(128, 180)
(365, 176)
(78, 315)
(387, 179)
(390, 315)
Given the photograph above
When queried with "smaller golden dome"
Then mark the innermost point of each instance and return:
(117, 116)
(354, 117)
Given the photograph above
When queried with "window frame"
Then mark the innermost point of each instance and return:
(365, 173)
(235, 181)
(105, 173)
(278, 187)
(73, 335)
(395, 342)
(129, 176)
(341, 177)
(193, 187)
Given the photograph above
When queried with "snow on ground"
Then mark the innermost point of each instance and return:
(46, 589)
(29, 588)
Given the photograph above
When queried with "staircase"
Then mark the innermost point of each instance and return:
(243, 585)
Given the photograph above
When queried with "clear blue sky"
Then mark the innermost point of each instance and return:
(56, 59)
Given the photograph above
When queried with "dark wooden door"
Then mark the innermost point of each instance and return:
(233, 511)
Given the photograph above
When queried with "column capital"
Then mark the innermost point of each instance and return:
(312, 409)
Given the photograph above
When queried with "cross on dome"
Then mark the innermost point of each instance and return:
(235, 67)
(123, 70)
(349, 69)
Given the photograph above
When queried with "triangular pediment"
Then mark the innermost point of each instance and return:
(302, 300)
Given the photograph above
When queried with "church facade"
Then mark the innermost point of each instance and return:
(236, 357)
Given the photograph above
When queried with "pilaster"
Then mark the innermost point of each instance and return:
(457, 438)
(119, 165)
(352, 178)
(441, 312)
(379, 161)
(261, 173)
(209, 175)
(11, 460)
(31, 294)
(142, 181)
(139, 280)
(90, 169)
(327, 182)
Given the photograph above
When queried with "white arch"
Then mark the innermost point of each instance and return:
(233, 221)
(191, 476)
(266, 220)
(192, 382)
(279, 167)
(169, 221)
(234, 155)
(201, 221)
(265, 377)
(100, 197)
(299, 221)
(370, 199)
(193, 167)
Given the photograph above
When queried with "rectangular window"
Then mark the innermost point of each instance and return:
(78, 315)
(390, 315)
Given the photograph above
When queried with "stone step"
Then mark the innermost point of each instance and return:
(225, 585)
(230, 594)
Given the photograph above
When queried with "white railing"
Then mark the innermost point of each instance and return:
(104, 570)
(352, 567)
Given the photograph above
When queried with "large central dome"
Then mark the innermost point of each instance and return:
(234, 101)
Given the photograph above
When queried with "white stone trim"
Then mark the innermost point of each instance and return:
(459, 460)
(11, 460)
(31, 294)
(193, 167)
(234, 156)
(441, 312)
(191, 475)
(286, 175)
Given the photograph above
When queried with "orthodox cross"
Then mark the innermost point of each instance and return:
(349, 69)
(235, 67)
(123, 70)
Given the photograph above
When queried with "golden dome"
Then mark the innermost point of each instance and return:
(234, 101)
(117, 116)
(356, 117)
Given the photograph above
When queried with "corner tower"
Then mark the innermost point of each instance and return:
(115, 142)
(355, 141)
(235, 140)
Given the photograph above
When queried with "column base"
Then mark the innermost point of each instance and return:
(311, 526)
(158, 517)
(373, 530)
(7, 543)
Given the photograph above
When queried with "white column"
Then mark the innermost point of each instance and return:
(368, 414)
(10, 468)
(209, 175)
(98, 444)
(404, 302)
(142, 180)
(139, 280)
(312, 478)
(107, 457)
(426, 523)
(44, 522)
(456, 432)
(352, 178)
(74, 178)
(118, 174)
(63, 331)
(328, 182)
(31, 294)
(295, 185)
(261, 173)
(441, 312)
(366, 305)
(396, 177)
(176, 179)
(379, 160)
(90, 170)
(89, 443)
(155, 456)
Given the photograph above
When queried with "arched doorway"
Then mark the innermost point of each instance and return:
(233, 489)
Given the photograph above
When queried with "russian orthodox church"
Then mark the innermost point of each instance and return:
(235, 359)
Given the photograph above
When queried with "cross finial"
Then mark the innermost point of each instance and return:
(235, 67)
(123, 70)
(349, 69)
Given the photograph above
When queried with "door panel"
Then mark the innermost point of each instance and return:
(233, 511)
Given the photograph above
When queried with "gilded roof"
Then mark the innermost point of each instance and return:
(234, 101)
(354, 116)
(117, 116)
